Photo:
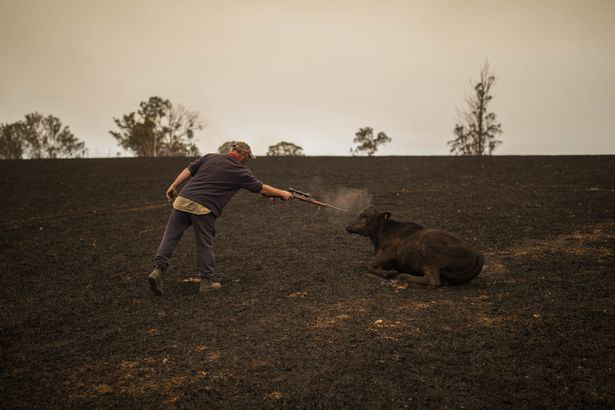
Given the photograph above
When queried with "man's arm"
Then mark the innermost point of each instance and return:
(268, 190)
(181, 178)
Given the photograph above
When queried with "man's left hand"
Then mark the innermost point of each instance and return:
(171, 193)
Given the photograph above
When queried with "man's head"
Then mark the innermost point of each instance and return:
(243, 150)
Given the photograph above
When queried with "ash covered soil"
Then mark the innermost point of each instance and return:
(299, 322)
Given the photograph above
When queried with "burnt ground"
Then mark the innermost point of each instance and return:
(298, 321)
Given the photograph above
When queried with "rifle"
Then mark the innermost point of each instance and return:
(305, 197)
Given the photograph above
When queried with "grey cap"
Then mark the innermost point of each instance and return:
(241, 147)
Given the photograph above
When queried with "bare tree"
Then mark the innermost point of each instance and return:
(478, 129)
(178, 127)
(366, 142)
(285, 148)
(159, 128)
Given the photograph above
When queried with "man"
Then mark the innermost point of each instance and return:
(215, 178)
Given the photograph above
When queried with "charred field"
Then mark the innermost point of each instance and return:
(299, 322)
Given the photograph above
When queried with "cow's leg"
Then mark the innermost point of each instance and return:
(419, 280)
(431, 277)
(382, 265)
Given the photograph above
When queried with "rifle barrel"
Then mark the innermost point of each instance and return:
(315, 202)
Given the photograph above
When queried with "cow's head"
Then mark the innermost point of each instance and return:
(367, 222)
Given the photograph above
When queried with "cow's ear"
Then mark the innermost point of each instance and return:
(387, 215)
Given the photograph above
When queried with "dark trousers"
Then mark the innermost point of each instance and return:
(204, 230)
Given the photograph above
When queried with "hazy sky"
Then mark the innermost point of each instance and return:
(313, 72)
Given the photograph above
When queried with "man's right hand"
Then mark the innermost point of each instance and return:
(171, 193)
(285, 195)
(272, 192)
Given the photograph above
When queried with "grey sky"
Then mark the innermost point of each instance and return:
(313, 72)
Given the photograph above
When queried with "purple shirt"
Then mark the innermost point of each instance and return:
(215, 179)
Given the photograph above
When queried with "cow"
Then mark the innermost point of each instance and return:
(429, 256)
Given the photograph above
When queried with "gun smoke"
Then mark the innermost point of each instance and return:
(354, 200)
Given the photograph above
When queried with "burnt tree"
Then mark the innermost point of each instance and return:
(477, 130)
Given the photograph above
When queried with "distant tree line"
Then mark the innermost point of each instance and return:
(475, 134)
(160, 128)
(38, 136)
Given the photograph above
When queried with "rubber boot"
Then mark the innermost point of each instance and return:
(155, 281)
(207, 284)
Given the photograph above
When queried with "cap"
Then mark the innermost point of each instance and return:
(241, 147)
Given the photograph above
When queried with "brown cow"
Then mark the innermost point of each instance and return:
(428, 255)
